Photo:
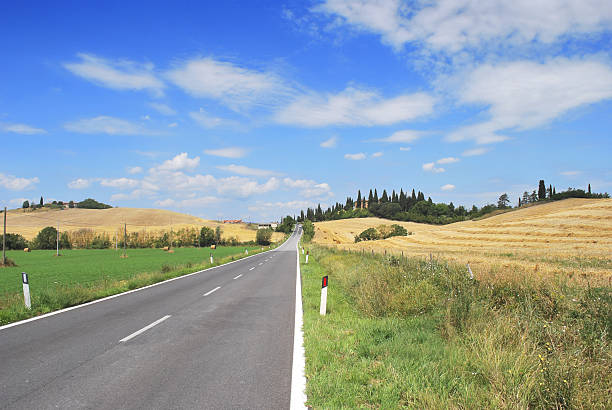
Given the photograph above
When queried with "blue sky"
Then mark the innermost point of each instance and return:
(259, 109)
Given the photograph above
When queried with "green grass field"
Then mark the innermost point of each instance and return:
(82, 275)
(409, 333)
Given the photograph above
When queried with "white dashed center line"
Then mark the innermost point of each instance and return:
(144, 329)
(238, 276)
(252, 268)
(211, 291)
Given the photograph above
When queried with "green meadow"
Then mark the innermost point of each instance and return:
(82, 275)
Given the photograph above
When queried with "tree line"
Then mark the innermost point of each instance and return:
(413, 207)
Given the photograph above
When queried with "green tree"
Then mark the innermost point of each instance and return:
(264, 236)
(218, 235)
(46, 238)
(541, 190)
(359, 199)
(71, 204)
(207, 236)
(309, 230)
(41, 201)
(589, 189)
(15, 242)
(26, 204)
(503, 201)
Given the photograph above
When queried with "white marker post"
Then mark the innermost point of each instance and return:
(26, 290)
(323, 307)
(211, 258)
(302, 251)
(307, 257)
(246, 251)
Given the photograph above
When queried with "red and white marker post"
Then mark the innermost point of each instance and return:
(26, 290)
(323, 308)
(307, 252)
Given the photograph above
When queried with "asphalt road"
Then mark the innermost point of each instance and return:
(229, 349)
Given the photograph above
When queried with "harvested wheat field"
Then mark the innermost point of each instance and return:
(572, 238)
(110, 221)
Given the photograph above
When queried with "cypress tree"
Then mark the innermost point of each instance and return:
(370, 197)
(384, 197)
(519, 202)
(414, 198)
(402, 200)
(375, 196)
(41, 201)
(589, 189)
(541, 190)
(359, 199)
(420, 197)
(554, 191)
(550, 190)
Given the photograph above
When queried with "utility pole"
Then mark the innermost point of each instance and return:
(124, 239)
(57, 240)
(116, 231)
(4, 240)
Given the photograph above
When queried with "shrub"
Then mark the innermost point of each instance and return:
(15, 241)
(264, 236)
(46, 238)
(207, 236)
(308, 228)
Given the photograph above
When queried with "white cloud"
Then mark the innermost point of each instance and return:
(523, 95)
(134, 170)
(353, 107)
(17, 184)
(405, 148)
(403, 136)
(21, 129)
(234, 86)
(163, 109)
(447, 160)
(118, 75)
(179, 162)
(208, 121)
(570, 173)
(107, 125)
(355, 157)
(455, 25)
(166, 203)
(447, 187)
(244, 187)
(430, 167)
(243, 170)
(188, 203)
(173, 124)
(330, 143)
(377, 155)
(275, 209)
(475, 151)
(121, 183)
(230, 152)
(79, 183)
(309, 188)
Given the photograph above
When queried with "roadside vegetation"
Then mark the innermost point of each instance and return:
(419, 333)
(80, 276)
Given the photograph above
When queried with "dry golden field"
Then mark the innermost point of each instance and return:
(110, 221)
(572, 238)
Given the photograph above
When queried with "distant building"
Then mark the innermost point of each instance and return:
(271, 225)
(232, 221)
(362, 205)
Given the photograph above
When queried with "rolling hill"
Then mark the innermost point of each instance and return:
(29, 223)
(573, 236)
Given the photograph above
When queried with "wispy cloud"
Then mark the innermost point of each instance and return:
(134, 170)
(474, 152)
(120, 183)
(355, 157)
(209, 121)
(309, 188)
(179, 163)
(447, 160)
(108, 125)
(447, 187)
(163, 109)
(431, 167)
(243, 170)
(230, 152)
(79, 183)
(330, 143)
(377, 154)
(570, 173)
(354, 107)
(21, 129)
(118, 75)
(404, 148)
(404, 136)
(236, 87)
(14, 183)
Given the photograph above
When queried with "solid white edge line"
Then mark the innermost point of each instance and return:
(298, 377)
(211, 291)
(57, 312)
(144, 329)
(238, 276)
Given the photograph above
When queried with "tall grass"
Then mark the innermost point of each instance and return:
(511, 342)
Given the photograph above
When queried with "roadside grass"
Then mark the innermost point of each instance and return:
(80, 276)
(421, 334)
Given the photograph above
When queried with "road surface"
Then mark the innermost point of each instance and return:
(222, 338)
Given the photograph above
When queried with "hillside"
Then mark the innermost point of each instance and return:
(573, 236)
(28, 223)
